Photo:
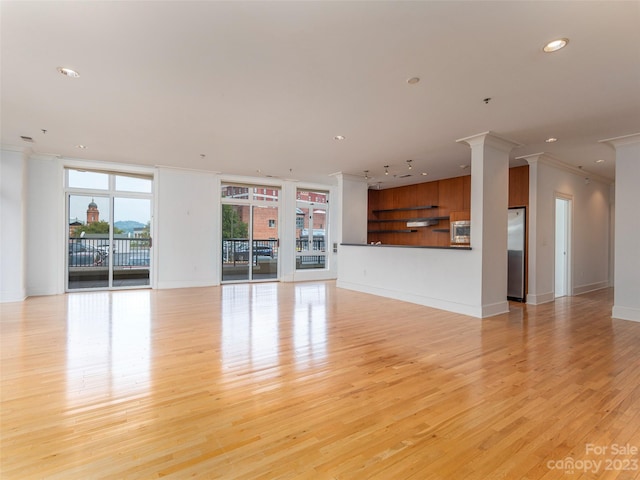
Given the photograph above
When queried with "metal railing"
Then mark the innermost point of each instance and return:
(317, 244)
(96, 252)
(236, 250)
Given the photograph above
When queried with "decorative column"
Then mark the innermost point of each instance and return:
(13, 225)
(353, 200)
(489, 214)
(540, 290)
(626, 297)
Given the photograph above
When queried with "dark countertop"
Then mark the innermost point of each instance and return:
(403, 246)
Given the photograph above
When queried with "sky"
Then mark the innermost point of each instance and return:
(137, 209)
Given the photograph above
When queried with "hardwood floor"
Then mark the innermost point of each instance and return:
(306, 381)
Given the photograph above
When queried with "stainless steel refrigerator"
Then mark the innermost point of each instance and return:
(516, 254)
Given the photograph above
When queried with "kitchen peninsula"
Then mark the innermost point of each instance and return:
(409, 255)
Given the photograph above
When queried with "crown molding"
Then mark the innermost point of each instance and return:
(616, 142)
(491, 138)
(547, 159)
(348, 176)
(14, 148)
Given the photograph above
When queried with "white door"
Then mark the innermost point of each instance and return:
(562, 253)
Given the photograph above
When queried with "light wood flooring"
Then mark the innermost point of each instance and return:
(307, 381)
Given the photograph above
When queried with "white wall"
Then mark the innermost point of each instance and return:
(45, 226)
(438, 278)
(589, 236)
(187, 246)
(12, 226)
(353, 201)
(626, 301)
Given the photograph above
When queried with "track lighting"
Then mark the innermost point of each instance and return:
(409, 164)
(386, 169)
(366, 175)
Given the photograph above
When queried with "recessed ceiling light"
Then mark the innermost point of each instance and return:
(464, 167)
(413, 80)
(68, 72)
(600, 160)
(82, 147)
(551, 140)
(339, 137)
(555, 45)
(424, 174)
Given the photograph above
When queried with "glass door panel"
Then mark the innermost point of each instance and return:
(264, 243)
(88, 242)
(131, 247)
(311, 229)
(236, 251)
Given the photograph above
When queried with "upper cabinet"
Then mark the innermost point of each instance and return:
(421, 214)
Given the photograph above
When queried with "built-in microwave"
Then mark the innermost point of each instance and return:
(460, 232)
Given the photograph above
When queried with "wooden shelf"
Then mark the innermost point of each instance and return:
(392, 231)
(422, 207)
(415, 219)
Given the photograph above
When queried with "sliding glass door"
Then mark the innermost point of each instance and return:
(109, 230)
(249, 233)
(88, 241)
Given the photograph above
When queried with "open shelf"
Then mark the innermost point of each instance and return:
(415, 219)
(421, 207)
(392, 231)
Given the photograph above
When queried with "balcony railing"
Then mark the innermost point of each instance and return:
(235, 250)
(135, 252)
(96, 252)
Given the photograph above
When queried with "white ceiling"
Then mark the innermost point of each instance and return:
(267, 85)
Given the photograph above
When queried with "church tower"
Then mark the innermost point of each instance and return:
(93, 215)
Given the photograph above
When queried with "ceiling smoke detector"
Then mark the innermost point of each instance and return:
(68, 72)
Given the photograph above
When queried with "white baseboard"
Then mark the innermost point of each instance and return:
(12, 296)
(471, 310)
(40, 292)
(495, 309)
(626, 313)
(539, 299)
(192, 284)
(592, 287)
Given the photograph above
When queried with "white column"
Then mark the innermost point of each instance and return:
(287, 233)
(626, 297)
(12, 226)
(353, 200)
(489, 212)
(532, 215)
(540, 253)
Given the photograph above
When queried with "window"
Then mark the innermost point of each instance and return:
(108, 230)
(311, 229)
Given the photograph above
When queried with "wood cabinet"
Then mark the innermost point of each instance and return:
(437, 203)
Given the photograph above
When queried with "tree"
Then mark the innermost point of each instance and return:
(232, 224)
(95, 227)
(146, 231)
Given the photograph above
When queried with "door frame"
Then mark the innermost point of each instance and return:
(251, 202)
(568, 233)
(111, 193)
